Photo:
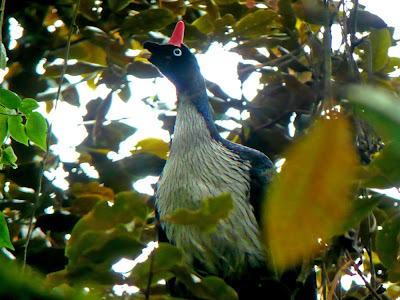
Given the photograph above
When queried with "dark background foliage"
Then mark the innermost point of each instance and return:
(107, 220)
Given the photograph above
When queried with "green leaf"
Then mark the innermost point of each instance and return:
(383, 171)
(3, 57)
(8, 157)
(387, 243)
(128, 208)
(380, 106)
(36, 129)
(28, 105)
(165, 258)
(381, 40)
(147, 20)
(9, 99)
(361, 208)
(3, 124)
(206, 218)
(4, 234)
(117, 5)
(17, 129)
(257, 23)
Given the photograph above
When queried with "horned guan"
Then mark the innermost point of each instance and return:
(202, 164)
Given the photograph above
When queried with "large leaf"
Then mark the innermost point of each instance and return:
(310, 200)
(28, 105)
(211, 211)
(17, 129)
(9, 99)
(36, 129)
(147, 20)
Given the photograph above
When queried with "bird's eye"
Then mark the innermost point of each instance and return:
(177, 52)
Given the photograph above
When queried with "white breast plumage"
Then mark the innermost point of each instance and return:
(200, 167)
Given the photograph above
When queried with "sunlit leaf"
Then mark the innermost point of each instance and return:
(8, 157)
(152, 145)
(3, 124)
(206, 218)
(4, 234)
(147, 20)
(309, 201)
(257, 23)
(36, 129)
(17, 129)
(3, 57)
(28, 105)
(9, 99)
(387, 243)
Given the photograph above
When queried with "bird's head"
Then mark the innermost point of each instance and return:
(175, 60)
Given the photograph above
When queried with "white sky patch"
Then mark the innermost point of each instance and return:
(220, 66)
(279, 163)
(144, 185)
(57, 176)
(89, 170)
(125, 266)
(251, 86)
(16, 32)
(119, 289)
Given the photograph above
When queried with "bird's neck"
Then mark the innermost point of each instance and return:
(194, 113)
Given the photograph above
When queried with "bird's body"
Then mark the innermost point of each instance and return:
(201, 165)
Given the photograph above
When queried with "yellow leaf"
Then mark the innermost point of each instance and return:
(310, 200)
(152, 145)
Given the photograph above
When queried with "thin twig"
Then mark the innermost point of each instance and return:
(367, 284)
(3, 5)
(327, 42)
(50, 134)
(333, 284)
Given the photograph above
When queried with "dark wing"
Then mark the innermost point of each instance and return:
(261, 172)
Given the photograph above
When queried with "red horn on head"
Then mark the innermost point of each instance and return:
(177, 36)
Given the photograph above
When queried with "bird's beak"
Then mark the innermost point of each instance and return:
(145, 54)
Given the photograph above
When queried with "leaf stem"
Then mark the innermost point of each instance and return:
(49, 133)
(3, 5)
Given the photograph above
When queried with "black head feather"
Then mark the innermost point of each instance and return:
(178, 64)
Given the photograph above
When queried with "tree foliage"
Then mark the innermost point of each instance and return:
(321, 209)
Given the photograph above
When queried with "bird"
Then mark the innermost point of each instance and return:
(202, 164)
